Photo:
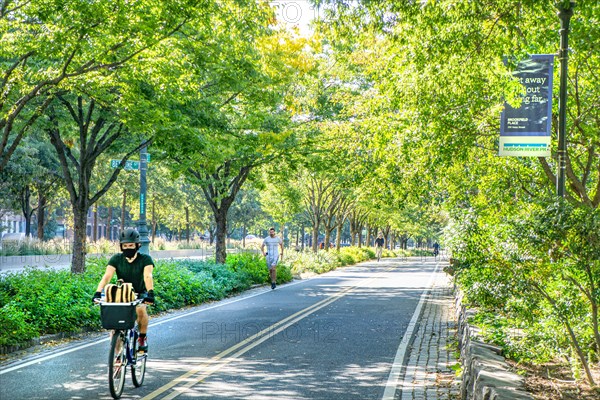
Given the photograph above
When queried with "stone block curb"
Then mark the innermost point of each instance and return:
(486, 375)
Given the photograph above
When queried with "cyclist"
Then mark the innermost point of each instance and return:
(135, 268)
(436, 249)
(379, 243)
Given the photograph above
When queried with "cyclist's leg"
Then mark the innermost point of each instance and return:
(142, 318)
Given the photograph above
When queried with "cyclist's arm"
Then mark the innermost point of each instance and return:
(148, 280)
(108, 275)
(281, 246)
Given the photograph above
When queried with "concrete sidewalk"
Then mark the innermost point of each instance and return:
(58, 261)
(432, 354)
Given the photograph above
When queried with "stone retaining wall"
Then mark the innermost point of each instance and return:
(486, 375)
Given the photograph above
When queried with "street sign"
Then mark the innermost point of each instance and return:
(129, 164)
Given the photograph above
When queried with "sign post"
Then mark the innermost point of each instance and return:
(565, 16)
(142, 226)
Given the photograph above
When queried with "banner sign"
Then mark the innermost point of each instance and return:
(525, 131)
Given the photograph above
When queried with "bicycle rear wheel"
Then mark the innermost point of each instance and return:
(138, 370)
(117, 364)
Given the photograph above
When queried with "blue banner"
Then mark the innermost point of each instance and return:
(525, 130)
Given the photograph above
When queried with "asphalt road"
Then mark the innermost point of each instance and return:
(335, 336)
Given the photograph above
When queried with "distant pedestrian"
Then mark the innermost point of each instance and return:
(379, 243)
(273, 243)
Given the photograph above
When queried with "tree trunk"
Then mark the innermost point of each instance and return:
(315, 238)
(41, 220)
(26, 208)
(79, 241)
(220, 247)
(327, 239)
(360, 242)
(338, 236)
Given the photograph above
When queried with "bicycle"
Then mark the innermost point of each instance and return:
(378, 251)
(121, 318)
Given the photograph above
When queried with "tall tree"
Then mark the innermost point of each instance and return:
(44, 45)
(236, 112)
(30, 180)
(98, 130)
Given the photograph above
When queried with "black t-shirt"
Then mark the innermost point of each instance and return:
(379, 242)
(132, 273)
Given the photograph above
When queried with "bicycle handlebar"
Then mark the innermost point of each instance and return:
(129, 303)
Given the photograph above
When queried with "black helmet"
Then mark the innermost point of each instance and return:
(129, 235)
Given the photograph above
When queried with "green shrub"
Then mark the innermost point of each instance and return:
(52, 301)
(176, 286)
(359, 254)
(250, 263)
(284, 274)
(536, 269)
(320, 262)
(14, 326)
(226, 280)
(345, 258)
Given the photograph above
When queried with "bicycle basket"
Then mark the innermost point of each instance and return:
(117, 315)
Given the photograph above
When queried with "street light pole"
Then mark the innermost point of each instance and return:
(565, 16)
(142, 226)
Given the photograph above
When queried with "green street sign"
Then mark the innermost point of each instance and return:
(129, 164)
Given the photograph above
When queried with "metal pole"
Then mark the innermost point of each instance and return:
(142, 227)
(565, 17)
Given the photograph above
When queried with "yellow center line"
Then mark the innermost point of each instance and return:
(215, 363)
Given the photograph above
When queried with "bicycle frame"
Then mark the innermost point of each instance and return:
(129, 336)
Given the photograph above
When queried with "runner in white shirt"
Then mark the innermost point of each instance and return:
(272, 243)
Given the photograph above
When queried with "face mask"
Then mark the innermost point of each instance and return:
(129, 253)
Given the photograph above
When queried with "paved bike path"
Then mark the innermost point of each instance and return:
(333, 336)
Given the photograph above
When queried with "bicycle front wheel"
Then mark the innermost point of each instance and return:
(117, 364)
(138, 370)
